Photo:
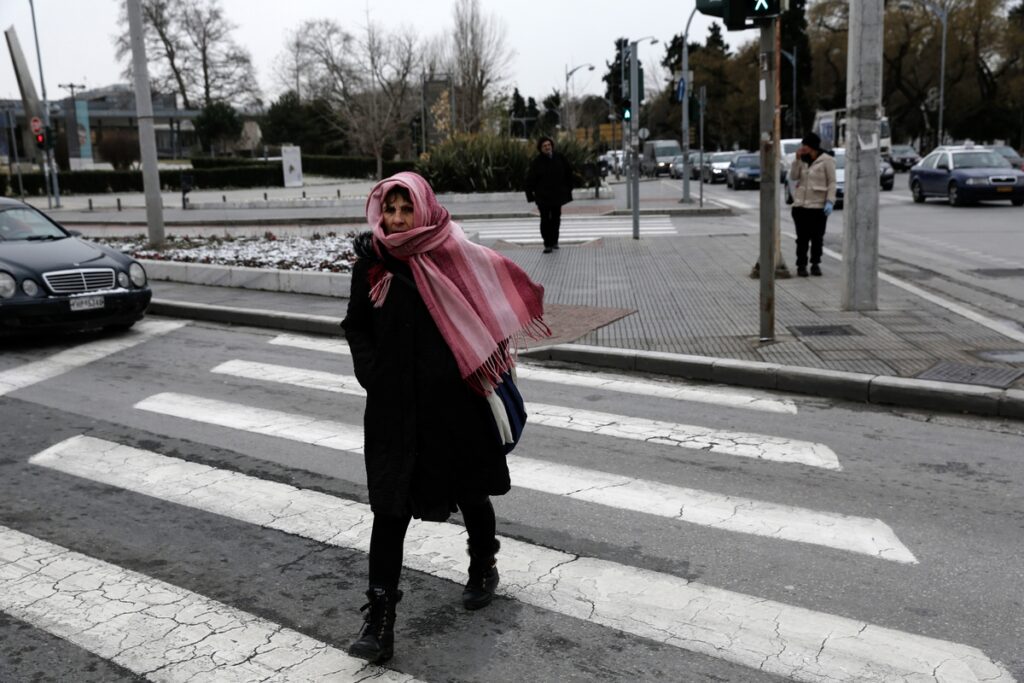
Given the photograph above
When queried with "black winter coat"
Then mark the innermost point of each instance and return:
(549, 180)
(430, 440)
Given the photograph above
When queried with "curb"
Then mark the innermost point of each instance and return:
(850, 386)
(275, 320)
(240, 277)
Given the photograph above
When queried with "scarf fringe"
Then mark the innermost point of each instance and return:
(380, 289)
(485, 378)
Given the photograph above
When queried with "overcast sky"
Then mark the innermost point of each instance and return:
(548, 36)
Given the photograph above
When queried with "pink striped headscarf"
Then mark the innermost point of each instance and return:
(482, 302)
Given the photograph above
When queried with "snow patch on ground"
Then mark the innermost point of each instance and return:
(326, 253)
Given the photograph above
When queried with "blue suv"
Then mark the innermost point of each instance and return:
(966, 174)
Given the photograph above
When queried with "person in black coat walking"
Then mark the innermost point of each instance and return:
(432, 322)
(549, 184)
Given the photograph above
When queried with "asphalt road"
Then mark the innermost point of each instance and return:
(657, 530)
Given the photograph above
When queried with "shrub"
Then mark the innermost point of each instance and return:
(99, 182)
(119, 148)
(490, 163)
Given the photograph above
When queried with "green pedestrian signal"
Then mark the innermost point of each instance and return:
(734, 13)
(625, 114)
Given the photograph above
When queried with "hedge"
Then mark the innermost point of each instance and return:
(98, 182)
(315, 164)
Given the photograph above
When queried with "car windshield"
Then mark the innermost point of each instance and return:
(979, 159)
(18, 223)
(667, 150)
(1005, 151)
(721, 156)
(903, 149)
(748, 160)
(790, 147)
(840, 161)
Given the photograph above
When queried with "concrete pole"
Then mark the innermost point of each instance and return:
(49, 168)
(863, 118)
(781, 271)
(685, 118)
(147, 137)
(769, 190)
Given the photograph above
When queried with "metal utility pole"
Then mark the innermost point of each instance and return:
(9, 115)
(51, 169)
(685, 102)
(863, 155)
(769, 190)
(634, 109)
(147, 137)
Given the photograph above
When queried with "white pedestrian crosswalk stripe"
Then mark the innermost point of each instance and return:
(750, 399)
(155, 629)
(573, 228)
(82, 354)
(854, 534)
(801, 644)
(742, 444)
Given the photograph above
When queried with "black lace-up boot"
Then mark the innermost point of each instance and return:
(483, 575)
(376, 642)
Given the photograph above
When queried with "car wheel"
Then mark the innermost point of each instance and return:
(953, 194)
(917, 192)
(1019, 201)
(887, 188)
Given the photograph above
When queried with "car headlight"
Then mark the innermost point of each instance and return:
(976, 181)
(138, 275)
(30, 287)
(122, 280)
(7, 285)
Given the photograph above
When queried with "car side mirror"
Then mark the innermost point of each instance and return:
(942, 165)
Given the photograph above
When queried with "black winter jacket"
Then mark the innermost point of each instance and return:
(430, 440)
(549, 180)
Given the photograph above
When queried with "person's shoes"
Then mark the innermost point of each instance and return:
(376, 643)
(815, 270)
(801, 271)
(554, 246)
(547, 250)
(483, 576)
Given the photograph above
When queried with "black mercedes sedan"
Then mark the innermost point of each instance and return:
(51, 279)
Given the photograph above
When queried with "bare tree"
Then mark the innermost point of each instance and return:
(480, 60)
(293, 66)
(165, 47)
(367, 80)
(192, 53)
(223, 69)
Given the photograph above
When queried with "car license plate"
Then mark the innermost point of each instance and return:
(1004, 189)
(86, 303)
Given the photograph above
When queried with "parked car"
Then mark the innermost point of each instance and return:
(51, 279)
(886, 177)
(1010, 154)
(966, 174)
(657, 156)
(744, 170)
(787, 153)
(715, 165)
(902, 157)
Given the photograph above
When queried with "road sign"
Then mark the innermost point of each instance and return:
(643, 133)
(37, 125)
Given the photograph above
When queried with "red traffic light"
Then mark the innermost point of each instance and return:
(40, 140)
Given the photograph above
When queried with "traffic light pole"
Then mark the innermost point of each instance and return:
(634, 108)
(769, 188)
(49, 170)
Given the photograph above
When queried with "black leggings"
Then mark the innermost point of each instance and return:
(388, 537)
(550, 222)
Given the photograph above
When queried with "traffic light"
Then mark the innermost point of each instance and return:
(626, 115)
(41, 140)
(734, 13)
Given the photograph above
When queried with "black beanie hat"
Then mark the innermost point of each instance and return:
(813, 141)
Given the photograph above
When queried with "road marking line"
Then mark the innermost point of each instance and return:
(771, 636)
(156, 629)
(741, 515)
(82, 354)
(716, 395)
(742, 444)
(326, 433)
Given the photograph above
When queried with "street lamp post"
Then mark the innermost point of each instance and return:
(942, 12)
(568, 112)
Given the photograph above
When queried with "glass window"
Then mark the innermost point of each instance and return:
(24, 224)
(930, 161)
(980, 159)
(748, 160)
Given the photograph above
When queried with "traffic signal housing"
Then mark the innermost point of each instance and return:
(734, 13)
(41, 140)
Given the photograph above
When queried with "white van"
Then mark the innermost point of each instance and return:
(657, 157)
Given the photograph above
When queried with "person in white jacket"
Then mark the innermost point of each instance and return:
(813, 174)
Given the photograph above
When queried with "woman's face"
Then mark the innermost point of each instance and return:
(398, 214)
